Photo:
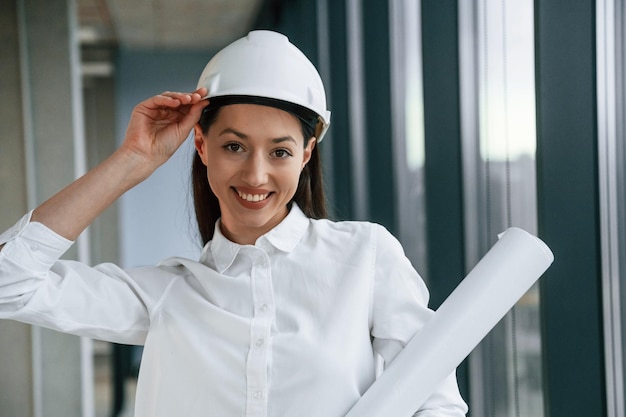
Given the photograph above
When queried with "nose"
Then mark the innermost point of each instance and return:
(255, 170)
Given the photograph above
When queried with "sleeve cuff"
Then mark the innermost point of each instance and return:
(16, 229)
(33, 244)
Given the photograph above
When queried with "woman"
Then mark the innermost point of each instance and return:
(285, 312)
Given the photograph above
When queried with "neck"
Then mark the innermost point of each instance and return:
(247, 237)
(243, 234)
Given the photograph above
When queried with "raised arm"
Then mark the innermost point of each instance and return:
(157, 127)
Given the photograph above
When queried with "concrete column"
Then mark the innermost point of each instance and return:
(41, 152)
(16, 389)
(99, 100)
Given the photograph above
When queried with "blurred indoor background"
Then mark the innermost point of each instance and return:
(451, 121)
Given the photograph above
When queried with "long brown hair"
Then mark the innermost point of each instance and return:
(309, 195)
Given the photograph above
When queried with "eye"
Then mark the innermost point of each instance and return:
(233, 147)
(281, 153)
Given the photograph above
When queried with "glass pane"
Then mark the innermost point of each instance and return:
(408, 127)
(497, 66)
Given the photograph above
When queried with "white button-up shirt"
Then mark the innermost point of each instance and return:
(288, 327)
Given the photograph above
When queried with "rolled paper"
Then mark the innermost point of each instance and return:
(478, 303)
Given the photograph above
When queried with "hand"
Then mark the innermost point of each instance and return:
(160, 124)
(157, 127)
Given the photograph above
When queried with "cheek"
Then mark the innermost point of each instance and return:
(215, 164)
(216, 174)
(291, 177)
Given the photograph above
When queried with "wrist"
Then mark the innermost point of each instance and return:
(132, 167)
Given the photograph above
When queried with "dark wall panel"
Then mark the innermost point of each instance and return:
(443, 164)
(568, 207)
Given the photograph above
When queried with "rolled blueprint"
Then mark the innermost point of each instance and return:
(479, 302)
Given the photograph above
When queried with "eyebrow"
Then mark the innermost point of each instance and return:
(245, 137)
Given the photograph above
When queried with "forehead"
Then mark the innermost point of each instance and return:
(258, 120)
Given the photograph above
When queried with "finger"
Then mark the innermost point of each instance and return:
(195, 112)
(163, 100)
(185, 98)
(197, 95)
(202, 92)
(176, 99)
(193, 116)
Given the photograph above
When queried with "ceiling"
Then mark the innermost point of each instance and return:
(165, 24)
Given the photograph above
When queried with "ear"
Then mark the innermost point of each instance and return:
(308, 150)
(199, 142)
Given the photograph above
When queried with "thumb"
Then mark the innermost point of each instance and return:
(193, 116)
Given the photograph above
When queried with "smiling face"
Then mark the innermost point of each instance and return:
(254, 155)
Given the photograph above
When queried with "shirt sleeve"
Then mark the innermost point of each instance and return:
(101, 302)
(399, 311)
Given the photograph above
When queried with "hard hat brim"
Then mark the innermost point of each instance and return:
(307, 116)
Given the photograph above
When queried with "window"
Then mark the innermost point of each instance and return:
(499, 139)
(408, 127)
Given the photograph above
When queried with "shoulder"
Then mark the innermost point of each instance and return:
(165, 270)
(154, 280)
(341, 226)
(354, 233)
(352, 227)
(342, 230)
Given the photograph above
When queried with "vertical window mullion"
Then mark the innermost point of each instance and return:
(610, 73)
(356, 110)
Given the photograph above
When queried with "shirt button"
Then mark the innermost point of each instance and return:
(259, 342)
(264, 308)
(258, 395)
(34, 246)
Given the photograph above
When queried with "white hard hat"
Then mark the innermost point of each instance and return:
(266, 65)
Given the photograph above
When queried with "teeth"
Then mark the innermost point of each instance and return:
(252, 197)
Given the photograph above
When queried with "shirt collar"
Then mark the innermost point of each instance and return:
(284, 237)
